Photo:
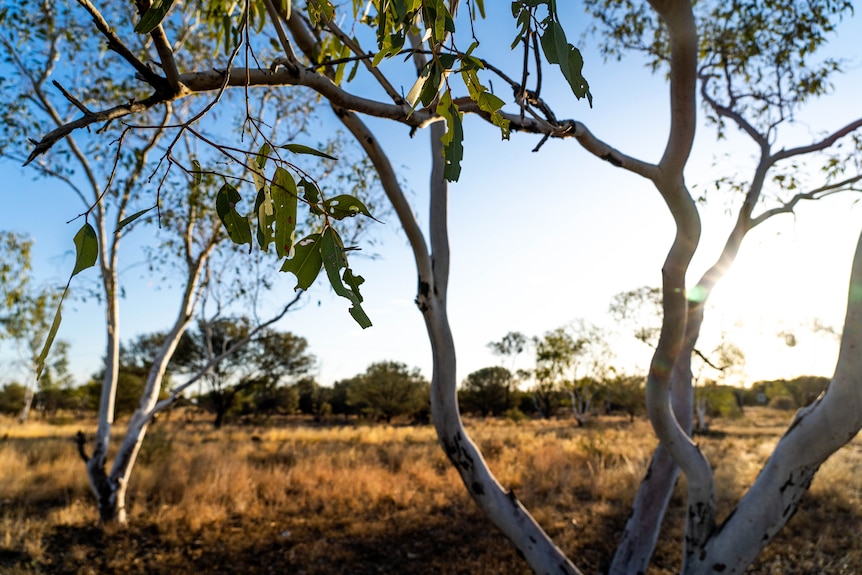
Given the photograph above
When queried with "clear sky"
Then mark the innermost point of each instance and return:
(538, 241)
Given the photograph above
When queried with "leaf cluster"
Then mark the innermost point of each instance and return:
(275, 212)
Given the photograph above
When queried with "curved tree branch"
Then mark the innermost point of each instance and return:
(816, 433)
(116, 44)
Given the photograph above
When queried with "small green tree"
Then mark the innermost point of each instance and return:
(314, 399)
(12, 396)
(389, 389)
(487, 391)
(25, 318)
(252, 373)
(626, 393)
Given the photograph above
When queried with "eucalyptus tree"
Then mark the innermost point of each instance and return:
(25, 316)
(755, 76)
(487, 391)
(388, 389)
(249, 363)
(111, 184)
(752, 67)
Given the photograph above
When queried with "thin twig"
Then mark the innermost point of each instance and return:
(75, 102)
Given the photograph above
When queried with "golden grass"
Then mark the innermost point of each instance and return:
(384, 499)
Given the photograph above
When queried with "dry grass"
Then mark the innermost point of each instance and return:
(358, 499)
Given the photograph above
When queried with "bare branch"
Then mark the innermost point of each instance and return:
(279, 30)
(846, 185)
(816, 433)
(75, 102)
(733, 115)
(166, 57)
(700, 519)
(679, 20)
(821, 145)
(115, 44)
(177, 391)
(57, 134)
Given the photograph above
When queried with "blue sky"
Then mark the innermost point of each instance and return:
(538, 241)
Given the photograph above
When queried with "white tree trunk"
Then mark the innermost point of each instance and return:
(499, 504)
(642, 529)
(816, 433)
(29, 394)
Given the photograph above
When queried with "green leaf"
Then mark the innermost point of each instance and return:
(306, 262)
(419, 85)
(49, 341)
(263, 208)
(312, 196)
(480, 4)
(345, 206)
(300, 149)
(333, 261)
(237, 226)
(257, 174)
(486, 101)
(453, 139)
(86, 249)
(353, 281)
(197, 173)
(126, 221)
(558, 51)
(284, 200)
(153, 16)
(263, 155)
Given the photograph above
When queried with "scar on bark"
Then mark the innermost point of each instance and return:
(81, 440)
(422, 298)
(613, 160)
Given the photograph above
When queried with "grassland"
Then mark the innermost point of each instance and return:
(303, 499)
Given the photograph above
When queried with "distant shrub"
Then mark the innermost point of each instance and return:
(514, 414)
(782, 402)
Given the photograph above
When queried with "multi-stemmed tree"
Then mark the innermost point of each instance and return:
(751, 65)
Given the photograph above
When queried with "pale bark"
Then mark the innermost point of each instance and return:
(700, 519)
(499, 504)
(124, 460)
(642, 529)
(643, 526)
(816, 433)
(29, 394)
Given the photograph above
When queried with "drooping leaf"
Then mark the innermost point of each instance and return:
(487, 102)
(345, 206)
(480, 4)
(49, 341)
(306, 262)
(312, 196)
(263, 208)
(558, 51)
(257, 174)
(453, 139)
(86, 249)
(284, 200)
(126, 221)
(419, 85)
(236, 226)
(334, 261)
(153, 16)
(197, 173)
(353, 281)
(263, 155)
(301, 149)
